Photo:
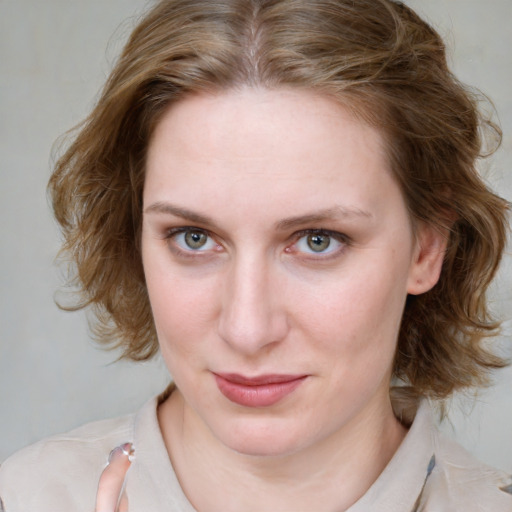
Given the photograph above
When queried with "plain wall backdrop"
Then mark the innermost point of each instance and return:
(54, 57)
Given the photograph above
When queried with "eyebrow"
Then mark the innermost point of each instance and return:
(177, 211)
(334, 213)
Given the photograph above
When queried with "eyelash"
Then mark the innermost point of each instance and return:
(341, 238)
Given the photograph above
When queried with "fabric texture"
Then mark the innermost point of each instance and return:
(428, 473)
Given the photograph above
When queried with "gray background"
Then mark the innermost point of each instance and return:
(54, 55)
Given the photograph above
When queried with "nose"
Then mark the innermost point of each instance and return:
(253, 315)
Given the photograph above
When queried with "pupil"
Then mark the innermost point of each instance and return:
(318, 243)
(195, 239)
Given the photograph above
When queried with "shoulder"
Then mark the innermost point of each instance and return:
(62, 472)
(461, 482)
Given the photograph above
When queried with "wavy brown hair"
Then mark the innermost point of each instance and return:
(377, 58)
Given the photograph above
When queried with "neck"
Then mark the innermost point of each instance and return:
(335, 472)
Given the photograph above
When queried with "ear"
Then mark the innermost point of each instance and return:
(427, 261)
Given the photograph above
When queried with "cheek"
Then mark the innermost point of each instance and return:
(183, 306)
(356, 317)
(353, 339)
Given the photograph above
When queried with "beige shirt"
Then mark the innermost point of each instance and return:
(428, 473)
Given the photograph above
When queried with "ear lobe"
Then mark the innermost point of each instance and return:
(427, 261)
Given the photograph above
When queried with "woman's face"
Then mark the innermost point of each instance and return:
(278, 254)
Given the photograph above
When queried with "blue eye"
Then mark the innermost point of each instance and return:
(189, 239)
(319, 242)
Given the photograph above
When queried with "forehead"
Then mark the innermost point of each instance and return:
(289, 143)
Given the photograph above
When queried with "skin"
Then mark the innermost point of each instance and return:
(252, 174)
(111, 496)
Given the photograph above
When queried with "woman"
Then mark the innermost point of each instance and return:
(281, 197)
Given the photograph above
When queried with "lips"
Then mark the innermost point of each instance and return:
(260, 391)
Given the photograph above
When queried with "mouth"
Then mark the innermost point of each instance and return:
(260, 391)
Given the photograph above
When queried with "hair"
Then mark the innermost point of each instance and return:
(378, 59)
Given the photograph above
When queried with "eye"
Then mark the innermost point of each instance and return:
(319, 242)
(192, 239)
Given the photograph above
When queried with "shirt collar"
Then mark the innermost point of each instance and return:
(400, 484)
(152, 483)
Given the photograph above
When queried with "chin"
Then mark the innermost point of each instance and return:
(262, 447)
(260, 439)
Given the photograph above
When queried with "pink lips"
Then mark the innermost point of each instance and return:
(262, 391)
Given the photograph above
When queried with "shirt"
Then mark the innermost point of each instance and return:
(428, 473)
